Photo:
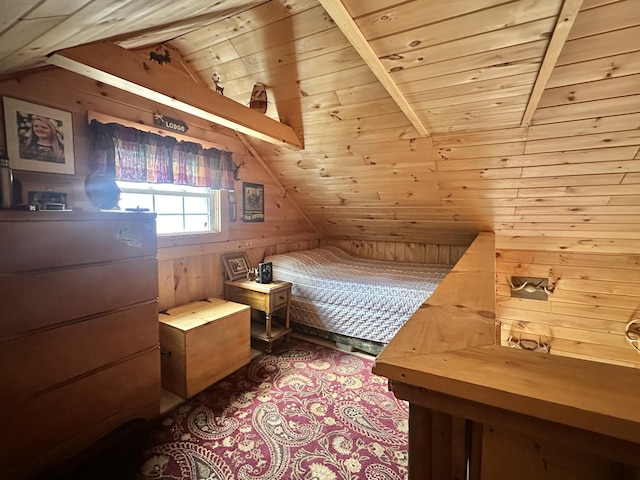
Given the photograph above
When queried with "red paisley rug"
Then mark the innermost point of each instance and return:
(303, 412)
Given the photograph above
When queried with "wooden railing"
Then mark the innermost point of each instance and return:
(478, 410)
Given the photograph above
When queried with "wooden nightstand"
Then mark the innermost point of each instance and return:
(266, 297)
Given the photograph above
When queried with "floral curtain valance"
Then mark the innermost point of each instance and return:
(133, 155)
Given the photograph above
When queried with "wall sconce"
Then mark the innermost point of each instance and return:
(531, 288)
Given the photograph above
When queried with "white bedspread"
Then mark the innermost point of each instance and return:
(362, 298)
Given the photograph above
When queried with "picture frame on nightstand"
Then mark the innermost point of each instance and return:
(236, 265)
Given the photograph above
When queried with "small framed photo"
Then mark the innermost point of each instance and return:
(236, 265)
(252, 202)
(39, 139)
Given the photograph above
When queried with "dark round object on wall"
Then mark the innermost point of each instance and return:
(102, 191)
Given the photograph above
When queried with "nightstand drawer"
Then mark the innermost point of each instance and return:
(280, 298)
(256, 300)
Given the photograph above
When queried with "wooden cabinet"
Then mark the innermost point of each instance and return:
(79, 351)
(201, 343)
(267, 298)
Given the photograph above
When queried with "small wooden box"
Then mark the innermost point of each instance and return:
(201, 343)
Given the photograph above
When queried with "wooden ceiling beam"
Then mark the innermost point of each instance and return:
(349, 28)
(134, 72)
(567, 17)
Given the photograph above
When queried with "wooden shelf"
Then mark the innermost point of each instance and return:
(260, 332)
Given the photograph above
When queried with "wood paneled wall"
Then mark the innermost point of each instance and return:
(401, 251)
(70, 92)
(597, 291)
(192, 273)
(188, 272)
(365, 174)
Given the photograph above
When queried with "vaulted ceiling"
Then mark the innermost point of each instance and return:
(420, 119)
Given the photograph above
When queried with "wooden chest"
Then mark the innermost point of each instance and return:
(201, 343)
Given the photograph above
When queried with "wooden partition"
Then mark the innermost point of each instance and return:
(482, 411)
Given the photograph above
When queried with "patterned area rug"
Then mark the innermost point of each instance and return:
(303, 412)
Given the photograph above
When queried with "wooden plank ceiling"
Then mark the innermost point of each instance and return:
(554, 158)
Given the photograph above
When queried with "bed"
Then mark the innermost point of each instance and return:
(351, 300)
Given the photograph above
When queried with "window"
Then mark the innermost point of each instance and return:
(179, 208)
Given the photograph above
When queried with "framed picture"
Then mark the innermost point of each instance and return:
(252, 202)
(236, 265)
(39, 139)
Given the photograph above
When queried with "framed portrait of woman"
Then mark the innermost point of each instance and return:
(39, 138)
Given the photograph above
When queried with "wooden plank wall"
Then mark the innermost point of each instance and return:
(76, 94)
(364, 172)
(597, 291)
(187, 272)
(575, 188)
(402, 251)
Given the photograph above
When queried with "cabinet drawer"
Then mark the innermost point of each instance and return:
(74, 241)
(280, 298)
(69, 418)
(35, 302)
(257, 300)
(37, 362)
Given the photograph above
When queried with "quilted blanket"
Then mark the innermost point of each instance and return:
(362, 298)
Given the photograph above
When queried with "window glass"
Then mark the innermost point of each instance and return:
(168, 204)
(136, 200)
(169, 224)
(178, 209)
(196, 223)
(196, 204)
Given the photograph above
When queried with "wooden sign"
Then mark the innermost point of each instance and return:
(169, 123)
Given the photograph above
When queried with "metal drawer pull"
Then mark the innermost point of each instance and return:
(165, 352)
